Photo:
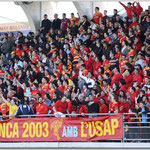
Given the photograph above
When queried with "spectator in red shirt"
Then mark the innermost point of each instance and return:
(61, 106)
(132, 96)
(137, 76)
(129, 9)
(122, 85)
(137, 9)
(116, 77)
(103, 106)
(124, 105)
(98, 16)
(128, 78)
(41, 108)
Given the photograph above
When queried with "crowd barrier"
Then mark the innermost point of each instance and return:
(91, 127)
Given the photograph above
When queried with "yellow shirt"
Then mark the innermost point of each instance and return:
(12, 109)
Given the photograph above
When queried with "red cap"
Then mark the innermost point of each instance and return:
(17, 46)
(25, 45)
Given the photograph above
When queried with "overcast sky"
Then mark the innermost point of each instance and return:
(9, 11)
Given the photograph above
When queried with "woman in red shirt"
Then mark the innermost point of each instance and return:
(113, 105)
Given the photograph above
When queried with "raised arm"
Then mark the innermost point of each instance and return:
(82, 76)
(4, 99)
(123, 5)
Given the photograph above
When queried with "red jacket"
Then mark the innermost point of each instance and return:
(128, 10)
(137, 10)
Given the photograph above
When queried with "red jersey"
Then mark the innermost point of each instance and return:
(74, 19)
(35, 58)
(4, 108)
(42, 108)
(122, 65)
(1, 72)
(113, 106)
(19, 53)
(34, 92)
(98, 17)
(132, 52)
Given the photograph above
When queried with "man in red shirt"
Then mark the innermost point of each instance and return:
(128, 78)
(116, 77)
(41, 108)
(129, 9)
(137, 9)
(61, 106)
(133, 95)
(137, 76)
(124, 105)
(98, 16)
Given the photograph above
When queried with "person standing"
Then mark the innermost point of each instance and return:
(46, 25)
(12, 106)
(65, 22)
(129, 9)
(75, 19)
(56, 23)
(98, 16)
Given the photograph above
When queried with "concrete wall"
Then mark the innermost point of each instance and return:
(35, 10)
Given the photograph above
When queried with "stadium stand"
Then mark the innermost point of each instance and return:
(77, 66)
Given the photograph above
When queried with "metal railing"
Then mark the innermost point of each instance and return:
(133, 131)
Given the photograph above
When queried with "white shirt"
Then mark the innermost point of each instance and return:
(18, 64)
(87, 80)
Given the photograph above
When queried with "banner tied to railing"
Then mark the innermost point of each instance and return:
(62, 129)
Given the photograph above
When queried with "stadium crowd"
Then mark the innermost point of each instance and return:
(79, 66)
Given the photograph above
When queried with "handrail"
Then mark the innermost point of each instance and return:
(86, 114)
(48, 115)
